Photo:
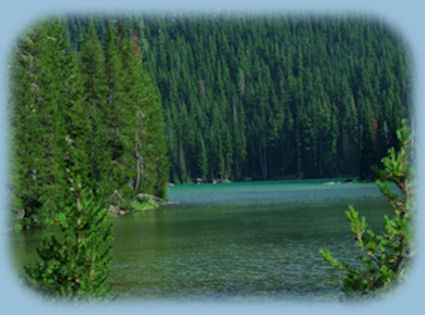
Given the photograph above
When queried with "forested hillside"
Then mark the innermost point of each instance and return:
(243, 96)
(275, 97)
(272, 96)
(90, 114)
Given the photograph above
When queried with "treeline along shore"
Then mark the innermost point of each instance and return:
(134, 102)
(266, 97)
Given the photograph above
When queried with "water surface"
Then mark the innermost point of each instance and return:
(238, 241)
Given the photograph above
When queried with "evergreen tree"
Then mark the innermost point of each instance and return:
(152, 164)
(75, 265)
(387, 256)
(101, 100)
(49, 135)
(120, 112)
(95, 92)
(39, 77)
(236, 68)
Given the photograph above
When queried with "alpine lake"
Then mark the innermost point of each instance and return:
(242, 241)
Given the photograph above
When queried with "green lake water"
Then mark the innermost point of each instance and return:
(238, 241)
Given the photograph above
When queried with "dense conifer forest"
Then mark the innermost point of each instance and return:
(106, 110)
(268, 97)
(277, 97)
(242, 96)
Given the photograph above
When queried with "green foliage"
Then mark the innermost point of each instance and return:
(254, 89)
(385, 256)
(90, 108)
(95, 91)
(73, 262)
(276, 96)
(136, 205)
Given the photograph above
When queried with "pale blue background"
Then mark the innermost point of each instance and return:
(408, 17)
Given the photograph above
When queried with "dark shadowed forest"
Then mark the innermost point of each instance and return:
(268, 97)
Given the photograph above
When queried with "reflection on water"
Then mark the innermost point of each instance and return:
(256, 240)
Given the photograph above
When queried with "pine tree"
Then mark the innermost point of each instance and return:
(120, 112)
(39, 78)
(75, 265)
(152, 170)
(385, 257)
(26, 195)
(50, 135)
(95, 93)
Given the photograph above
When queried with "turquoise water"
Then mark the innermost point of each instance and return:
(238, 241)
